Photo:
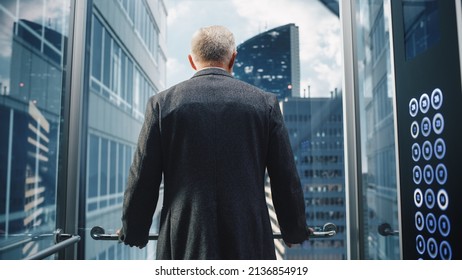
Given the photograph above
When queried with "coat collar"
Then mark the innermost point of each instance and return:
(212, 71)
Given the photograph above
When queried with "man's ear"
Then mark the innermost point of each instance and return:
(231, 61)
(191, 61)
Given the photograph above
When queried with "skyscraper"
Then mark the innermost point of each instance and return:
(315, 127)
(271, 61)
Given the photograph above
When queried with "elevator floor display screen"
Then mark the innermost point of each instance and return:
(429, 124)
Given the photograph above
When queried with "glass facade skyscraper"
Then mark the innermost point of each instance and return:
(271, 61)
(315, 127)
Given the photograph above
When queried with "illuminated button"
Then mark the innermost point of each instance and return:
(440, 148)
(438, 123)
(420, 244)
(441, 174)
(427, 150)
(426, 126)
(413, 107)
(430, 221)
(429, 198)
(444, 225)
(445, 251)
(418, 199)
(437, 98)
(419, 221)
(428, 174)
(414, 129)
(424, 103)
(417, 175)
(432, 247)
(442, 199)
(415, 152)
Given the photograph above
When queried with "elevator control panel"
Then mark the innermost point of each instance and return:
(429, 175)
(428, 100)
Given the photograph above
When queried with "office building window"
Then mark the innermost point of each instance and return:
(115, 76)
(141, 16)
(107, 171)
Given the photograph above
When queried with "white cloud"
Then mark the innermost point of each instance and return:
(178, 70)
(178, 11)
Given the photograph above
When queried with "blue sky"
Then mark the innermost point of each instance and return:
(320, 38)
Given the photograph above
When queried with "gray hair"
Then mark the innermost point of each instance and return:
(213, 44)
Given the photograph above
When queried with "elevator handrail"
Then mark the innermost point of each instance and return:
(62, 240)
(54, 249)
(326, 231)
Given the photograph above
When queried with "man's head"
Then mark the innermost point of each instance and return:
(213, 46)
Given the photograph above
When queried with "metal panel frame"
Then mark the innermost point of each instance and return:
(395, 127)
(351, 132)
(459, 30)
(69, 166)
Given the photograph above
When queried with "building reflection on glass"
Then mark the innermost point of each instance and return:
(31, 78)
(127, 66)
(379, 190)
(420, 26)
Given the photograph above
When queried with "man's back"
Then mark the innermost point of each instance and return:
(215, 136)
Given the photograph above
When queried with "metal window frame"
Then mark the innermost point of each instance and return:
(351, 133)
(69, 183)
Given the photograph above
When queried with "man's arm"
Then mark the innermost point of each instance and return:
(285, 183)
(142, 192)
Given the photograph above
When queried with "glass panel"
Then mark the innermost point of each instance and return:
(313, 109)
(33, 42)
(107, 59)
(113, 126)
(291, 48)
(378, 191)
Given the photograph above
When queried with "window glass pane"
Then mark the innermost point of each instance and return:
(96, 44)
(114, 115)
(122, 170)
(33, 47)
(378, 191)
(130, 82)
(116, 70)
(123, 77)
(93, 164)
(104, 167)
(107, 59)
(131, 5)
(113, 168)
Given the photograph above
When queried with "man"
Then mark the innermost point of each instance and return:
(211, 138)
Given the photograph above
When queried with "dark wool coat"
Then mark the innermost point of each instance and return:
(211, 138)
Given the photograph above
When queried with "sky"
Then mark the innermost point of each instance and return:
(319, 32)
